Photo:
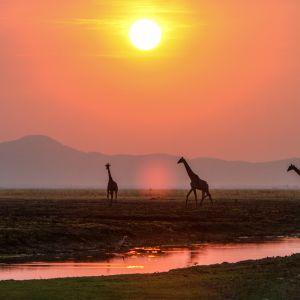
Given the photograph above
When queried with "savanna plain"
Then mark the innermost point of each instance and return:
(79, 224)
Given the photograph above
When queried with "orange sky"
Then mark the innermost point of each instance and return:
(224, 83)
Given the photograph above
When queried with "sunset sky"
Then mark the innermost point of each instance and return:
(224, 82)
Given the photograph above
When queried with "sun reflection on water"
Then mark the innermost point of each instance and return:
(152, 259)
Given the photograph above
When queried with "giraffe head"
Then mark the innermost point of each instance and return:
(107, 166)
(290, 168)
(181, 160)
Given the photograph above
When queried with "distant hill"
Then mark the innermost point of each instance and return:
(41, 162)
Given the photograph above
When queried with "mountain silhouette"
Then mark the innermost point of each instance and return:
(41, 162)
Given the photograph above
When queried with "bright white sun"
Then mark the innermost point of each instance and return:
(145, 34)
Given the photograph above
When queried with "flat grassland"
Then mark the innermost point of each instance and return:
(272, 278)
(48, 224)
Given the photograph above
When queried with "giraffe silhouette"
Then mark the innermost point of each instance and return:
(293, 168)
(112, 186)
(196, 184)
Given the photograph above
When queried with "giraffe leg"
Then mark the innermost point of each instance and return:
(203, 197)
(107, 194)
(187, 197)
(111, 198)
(210, 198)
(195, 193)
(116, 192)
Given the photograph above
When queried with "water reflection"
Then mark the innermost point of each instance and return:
(150, 260)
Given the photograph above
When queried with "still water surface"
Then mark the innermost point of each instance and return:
(150, 260)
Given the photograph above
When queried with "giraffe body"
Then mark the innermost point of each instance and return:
(196, 184)
(112, 187)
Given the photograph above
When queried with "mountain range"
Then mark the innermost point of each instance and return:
(42, 162)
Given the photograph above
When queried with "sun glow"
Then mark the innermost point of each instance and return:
(145, 34)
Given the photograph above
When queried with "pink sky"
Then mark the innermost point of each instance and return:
(224, 83)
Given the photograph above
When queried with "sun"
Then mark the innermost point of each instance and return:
(145, 34)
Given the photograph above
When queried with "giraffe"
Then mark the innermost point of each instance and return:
(196, 183)
(294, 168)
(112, 186)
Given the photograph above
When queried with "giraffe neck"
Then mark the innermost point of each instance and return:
(189, 170)
(109, 174)
(296, 170)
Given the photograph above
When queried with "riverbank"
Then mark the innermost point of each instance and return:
(271, 278)
(60, 224)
